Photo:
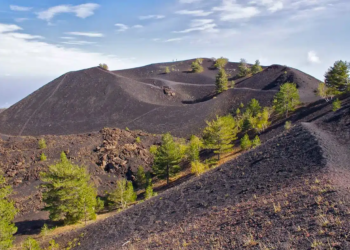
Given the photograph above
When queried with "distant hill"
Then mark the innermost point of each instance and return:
(143, 98)
(1, 110)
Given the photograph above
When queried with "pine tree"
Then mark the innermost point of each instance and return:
(43, 157)
(68, 194)
(221, 81)
(256, 142)
(42, 143)
(123, 194)
(336, 105)
(256, 68)
(246, 143)
(31, 244)
(254, 107)
(287, 99)
(7, 214)
(53, 245)
(141, 177)
(194, 148)
(149, 190)
(167, 70)
(219, 134)
(196, 67)
(167, 158)
(337, 76)
(244, 69)
(221, 63)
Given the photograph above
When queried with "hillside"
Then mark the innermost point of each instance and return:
(290, 193)
(143, 98)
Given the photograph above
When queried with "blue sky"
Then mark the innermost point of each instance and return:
(41, 40)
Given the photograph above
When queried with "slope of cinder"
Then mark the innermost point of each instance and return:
(280, 196)
(91, 99)
(274, 76)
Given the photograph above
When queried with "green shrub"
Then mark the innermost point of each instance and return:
(196, 67)
(100, 204)
(167, 70)
(244, 69)
(149, 193)
(53, 245)
(43, 157)
(103, 66)
(198, 168)
(138, 140)
(221, 81)
(141, 177)
(123, 194)
(336, 105)
(288, 125)
(221, 63)
(199, 60)
(246, 143)
(287, 99)
(256, 142)
(31, 244)
(256, 68)
(42, 143)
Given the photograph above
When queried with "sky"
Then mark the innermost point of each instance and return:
(41, 40)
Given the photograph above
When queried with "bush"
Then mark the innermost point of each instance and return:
(256, 68)
(196, 67)
(31, 244)
(167, 70)
(100, 205)
(141, 177)
(246, 143)
(244, 69)
(288, 125)
(221, 63)
(199, 60)
(256, 142)
(53, 245)
(194, 148)
(103, 66)
(149, 193)
(123, 194)
(221, 81)
(198, 168)
(232, 84)
(138, 140)
(336, 105)
(42, 143)
(43, 157)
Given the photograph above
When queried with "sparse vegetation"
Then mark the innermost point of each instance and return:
(167, 70)
(104, 66)
(197, 67)
(149, 193)
(244, 69)
(256, 142)
(7, 215)
(198, 168)
(287, 99)
(194, 147)
(31, 244)
(141, 177)
(246, 143)
(221, 81)
(68, 193)
(42, 143)
(288, 125)
(138, 140)
(43, 157)
(221, 63)
(256, 68)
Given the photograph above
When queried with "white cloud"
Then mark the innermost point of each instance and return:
(87, 34)
(312, 57)
(67, 38)
(20, 20)
(24, 36)
(231, 11)
(190, 1)
(174, 40)
(193, 12)
(151, 17)
(20, 8)
(271, 5)
(122, 27)
(25, 58)
(204, 25)
(72, 42)
(81, 11)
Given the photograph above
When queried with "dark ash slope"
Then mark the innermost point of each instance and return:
(91, 99)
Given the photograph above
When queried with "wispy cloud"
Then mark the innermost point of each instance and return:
(231, 11)
(194, 12)
(122, 27)
(78, 42)
(151, 17)
(312, 57)
(81, 11)
(206, 25)
(20, 8)
(67, 37)
(9, 28)
(87, 34)
(271, 5)
(24, 36)
(174, 40)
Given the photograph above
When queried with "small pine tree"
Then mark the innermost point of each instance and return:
(43, 157)
(167, 158)
(221, 81)
(221, 63)
(138, 140)
(100, 205)
(197, 67)
(68, 194)
(336, 105)
(149, 193)
(198, 168)
(254, 107)
(232, 84)
(244, 69)
(123, 194)
(337, 76)
(246, 143)
(44, 232)
(53, 245)
(219, 134)
(256, 68)
(287, 99)
(194, 148)
(167, 70)
(42, 143)
(288, 125)
(256, 142)
(31, 244)
(7, 215)
(199, 60)
(103, 66)
(141, 177)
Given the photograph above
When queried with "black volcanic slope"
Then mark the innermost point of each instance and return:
(88, 100)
